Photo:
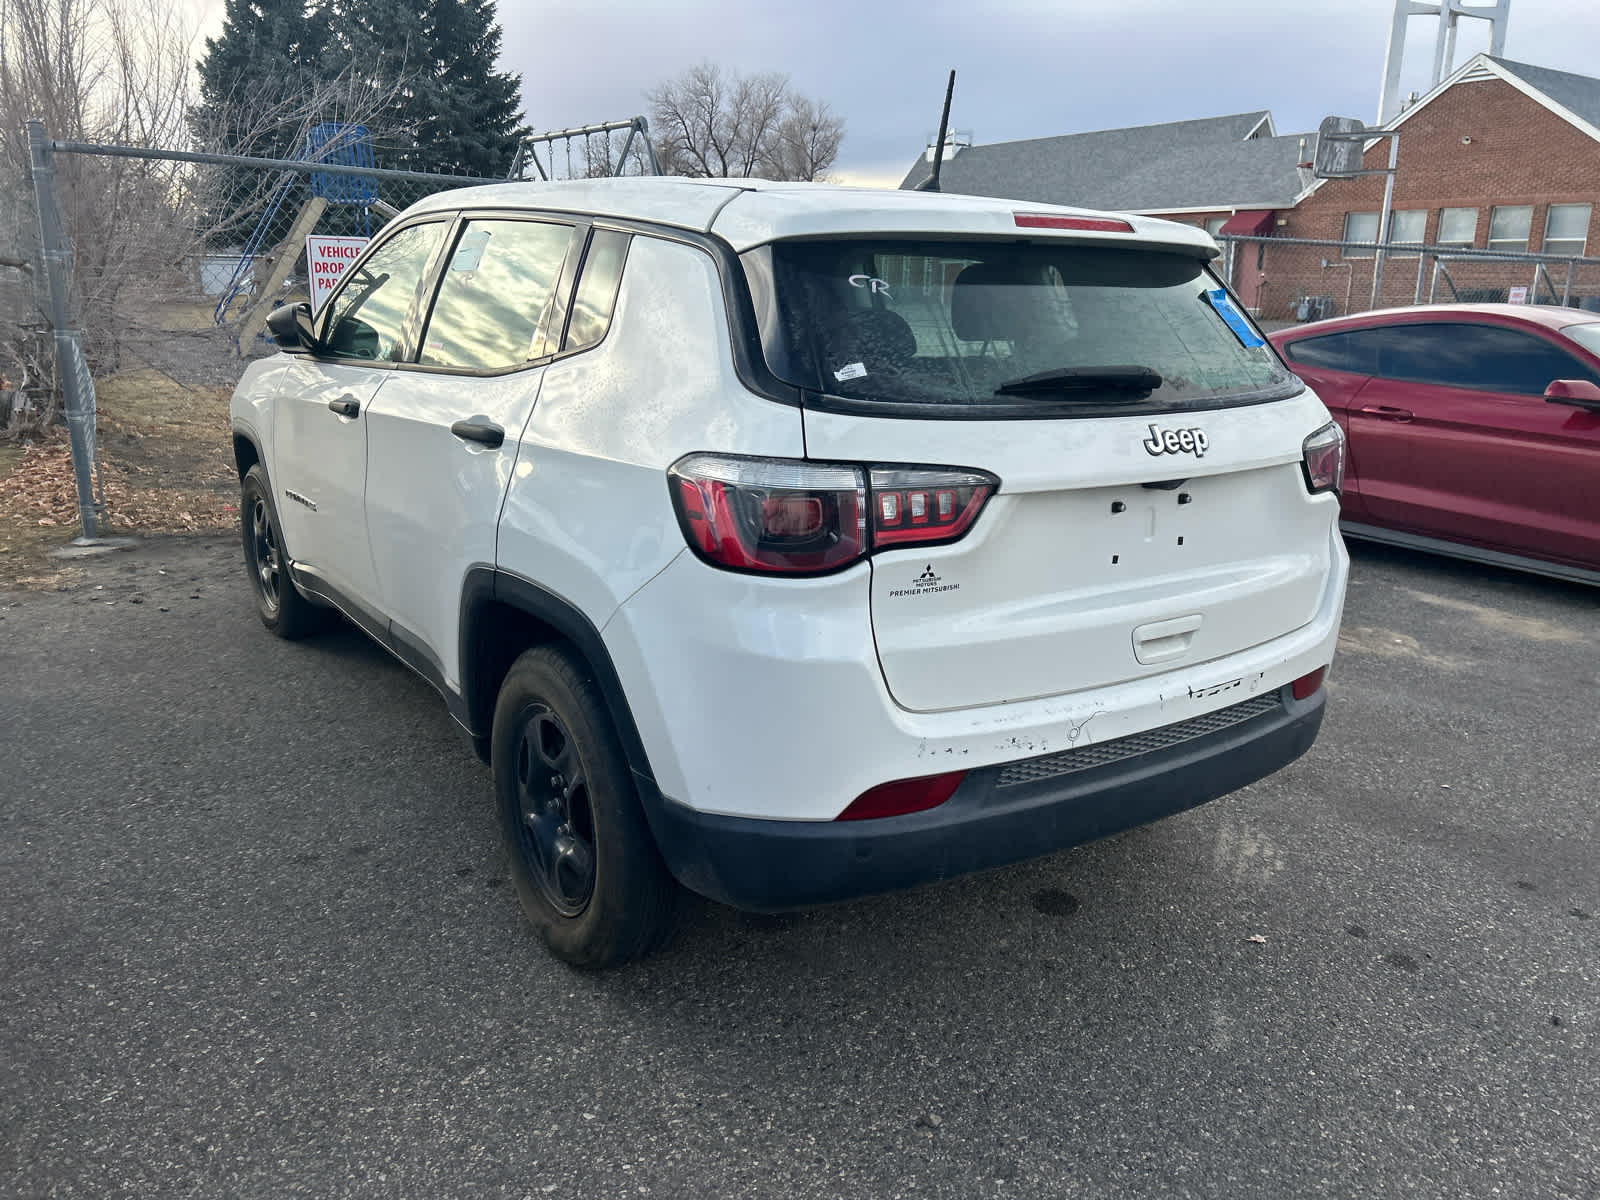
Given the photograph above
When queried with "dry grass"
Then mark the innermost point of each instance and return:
(166, 466)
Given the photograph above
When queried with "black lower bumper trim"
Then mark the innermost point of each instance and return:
(769, 866)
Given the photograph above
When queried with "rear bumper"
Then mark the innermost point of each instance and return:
(1000, 814)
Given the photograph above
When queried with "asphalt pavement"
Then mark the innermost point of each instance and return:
(257, 940)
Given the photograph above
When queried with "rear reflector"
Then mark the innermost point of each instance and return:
(1306, 686)
(903, 796)
(1088, 224)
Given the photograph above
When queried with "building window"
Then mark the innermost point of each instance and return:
(1408, 225)
(1360, 227)
(1566, 229)
(1509, 226)
(1458, 227)
(1214, 225)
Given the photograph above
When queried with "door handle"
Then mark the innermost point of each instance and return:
(346, 406)
(481, 430)
(1385, 412)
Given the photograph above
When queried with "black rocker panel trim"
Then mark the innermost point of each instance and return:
(396, 639)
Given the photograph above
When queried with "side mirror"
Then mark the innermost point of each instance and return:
(1579, 392)
(290, 326)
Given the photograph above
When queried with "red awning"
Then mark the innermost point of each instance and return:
(1251, 222)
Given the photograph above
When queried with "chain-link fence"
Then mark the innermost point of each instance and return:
(117, 256)
(1306, 279)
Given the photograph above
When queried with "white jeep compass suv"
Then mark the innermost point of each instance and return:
(795, 542)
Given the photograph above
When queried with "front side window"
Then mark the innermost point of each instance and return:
(1360, 227)
(489, 313)
(1566, 229)
(974, 323)
(366, 317)
(1509, 226)
(1458, 227)
(1489, 358)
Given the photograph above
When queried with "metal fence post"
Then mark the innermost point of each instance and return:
(71, 372)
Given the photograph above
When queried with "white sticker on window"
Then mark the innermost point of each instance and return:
(469, 253)
(853, 371)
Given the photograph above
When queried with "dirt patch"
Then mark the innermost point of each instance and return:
(1530, 628)
(1386, 643)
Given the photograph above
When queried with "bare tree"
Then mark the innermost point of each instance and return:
(808, 141)
(710, 124)
(92, 70)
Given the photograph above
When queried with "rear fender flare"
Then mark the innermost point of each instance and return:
(485, 586)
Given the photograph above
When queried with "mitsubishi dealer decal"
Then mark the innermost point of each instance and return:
(925, 585)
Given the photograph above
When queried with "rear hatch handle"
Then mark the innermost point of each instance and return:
(1163, 641)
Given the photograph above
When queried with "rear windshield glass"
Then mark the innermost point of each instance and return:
(962, 323)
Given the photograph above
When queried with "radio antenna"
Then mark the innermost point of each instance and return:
(931, 184)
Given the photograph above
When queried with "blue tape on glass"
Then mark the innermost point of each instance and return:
(1233, 318)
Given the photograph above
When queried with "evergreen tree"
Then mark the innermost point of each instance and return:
(448, 109)
(419, 74)
(259, 81)
(255, 75)
(475, 120)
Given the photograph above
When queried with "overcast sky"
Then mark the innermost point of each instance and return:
(1024, 68)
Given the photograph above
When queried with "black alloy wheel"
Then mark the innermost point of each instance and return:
(556, 836)
(266, 557)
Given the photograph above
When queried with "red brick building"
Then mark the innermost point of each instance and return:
(1500, 156)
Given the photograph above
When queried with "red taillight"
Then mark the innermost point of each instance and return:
(925, 506)
(903, 796)
(1306, 686)
(799, 518)
(1323, 455)
(769, 514)
(1089, 224)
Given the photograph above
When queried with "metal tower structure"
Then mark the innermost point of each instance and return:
(1449, 13)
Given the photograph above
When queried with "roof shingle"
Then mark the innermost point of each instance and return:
(1204, 163)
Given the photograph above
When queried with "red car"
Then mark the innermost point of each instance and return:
(1474, 430)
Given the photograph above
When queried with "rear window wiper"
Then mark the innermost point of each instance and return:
(1139, 381)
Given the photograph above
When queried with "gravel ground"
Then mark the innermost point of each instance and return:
(259, 942)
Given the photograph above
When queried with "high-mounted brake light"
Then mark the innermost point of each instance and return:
(1323, 454)
(1088, 224)
(790, 517)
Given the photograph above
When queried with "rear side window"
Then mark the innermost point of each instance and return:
(597, 289)
(1354, 351)
(1488, 358)
(490, 308)
(897, 321)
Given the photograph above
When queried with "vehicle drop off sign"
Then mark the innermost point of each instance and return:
(326, 260)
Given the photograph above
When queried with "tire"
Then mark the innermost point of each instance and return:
(583, 861)
(279, 604)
